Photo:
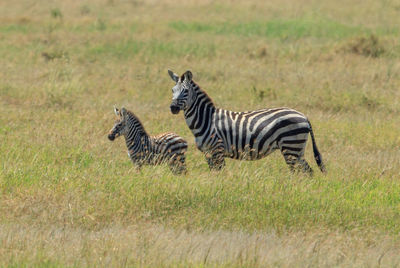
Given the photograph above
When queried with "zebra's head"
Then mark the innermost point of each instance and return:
(182, 92)
(120, 124)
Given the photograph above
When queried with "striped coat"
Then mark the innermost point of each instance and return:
(146, 149)
(248, 135)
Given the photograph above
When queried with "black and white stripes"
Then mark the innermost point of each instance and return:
(241, 135)
(145, 149)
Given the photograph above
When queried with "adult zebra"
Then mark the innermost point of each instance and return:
(145, 149)
(242, 135)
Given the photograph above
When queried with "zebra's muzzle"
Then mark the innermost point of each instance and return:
(174, 109)
(111, 137)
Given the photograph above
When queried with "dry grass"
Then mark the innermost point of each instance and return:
(69, 197)
(154, 246)
(369, 46)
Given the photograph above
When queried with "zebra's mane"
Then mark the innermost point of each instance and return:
(198, 88)
(139, 124)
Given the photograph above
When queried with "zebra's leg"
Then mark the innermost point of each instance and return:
(305, 167)
(302, 164)
(209, 160)
(297, 162)
(182, 164)
(216, 162)
(177, 164)
(293, 152)
(290, 160)
(137, 165)
(215, 159)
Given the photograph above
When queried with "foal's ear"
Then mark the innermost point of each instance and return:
(188, 76)
(173, 76)
(116, 111)
(123, 112)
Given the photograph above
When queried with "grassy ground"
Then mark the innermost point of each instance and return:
(69, 197)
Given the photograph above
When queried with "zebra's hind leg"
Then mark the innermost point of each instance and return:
(297, 163)
(290, 160)
(305, 167)
(177, 164)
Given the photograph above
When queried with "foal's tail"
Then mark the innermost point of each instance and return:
(317, 155)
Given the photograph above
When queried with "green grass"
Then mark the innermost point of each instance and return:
(246, 196)
(13, 28)
(70, 197)
(276, 28)
(126, 49)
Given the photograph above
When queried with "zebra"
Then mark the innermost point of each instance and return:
(247, 135)
(145, 149)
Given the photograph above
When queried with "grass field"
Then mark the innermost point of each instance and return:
(69, 197)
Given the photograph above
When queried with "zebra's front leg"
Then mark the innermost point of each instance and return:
(215, 159)
(137, 164)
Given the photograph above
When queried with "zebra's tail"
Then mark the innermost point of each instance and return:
(317, 155)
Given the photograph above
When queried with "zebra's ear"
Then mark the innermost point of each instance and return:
(123, 112)
(188, 75)
(173, 76)
(116, 111)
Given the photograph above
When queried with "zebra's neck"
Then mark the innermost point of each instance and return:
(198, 115)
(136, 137)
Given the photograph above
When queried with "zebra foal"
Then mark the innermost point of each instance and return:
(150, 150)
(247, 135)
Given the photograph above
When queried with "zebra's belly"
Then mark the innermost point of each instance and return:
(150, 158)
(205, 144)
(250, 152)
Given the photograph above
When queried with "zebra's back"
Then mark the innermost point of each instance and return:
(169, 144)
(254, 134)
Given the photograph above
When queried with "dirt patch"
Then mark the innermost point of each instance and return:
(52, 55)
(368, 46)
(260, 52)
